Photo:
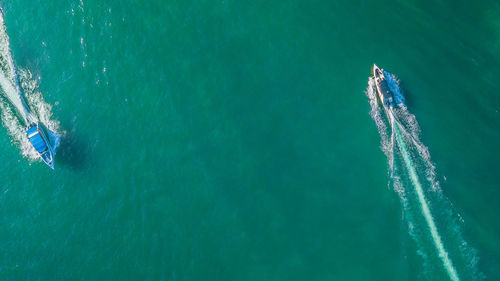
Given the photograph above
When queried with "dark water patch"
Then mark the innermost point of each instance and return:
(73, 152)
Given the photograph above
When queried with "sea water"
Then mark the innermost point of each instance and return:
(232, 140)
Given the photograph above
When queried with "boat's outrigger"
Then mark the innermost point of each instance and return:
(40, 143)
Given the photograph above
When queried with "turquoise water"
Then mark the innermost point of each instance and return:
(232, 140)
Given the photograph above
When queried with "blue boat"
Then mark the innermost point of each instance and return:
(41, 144)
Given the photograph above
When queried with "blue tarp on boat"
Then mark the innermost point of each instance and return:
(394, 87)
(36, 139)
(385, 89)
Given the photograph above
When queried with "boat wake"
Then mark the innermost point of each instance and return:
(16, 112)
(432, 221)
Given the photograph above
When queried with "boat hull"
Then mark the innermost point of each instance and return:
(384, 95)
(41, 144)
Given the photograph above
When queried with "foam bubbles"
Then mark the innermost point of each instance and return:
(15, 111)
(417, 214)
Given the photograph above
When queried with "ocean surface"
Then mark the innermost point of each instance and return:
(240, 140)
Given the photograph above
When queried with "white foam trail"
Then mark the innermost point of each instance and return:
(418, 201)
(8, 79)
(443, 254)
(35, 100)
(412, 134)
(42, 110)
(376, 113)
(33, 109)
(12, 95)
(17, 131)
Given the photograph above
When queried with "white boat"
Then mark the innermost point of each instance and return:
(383, 91)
